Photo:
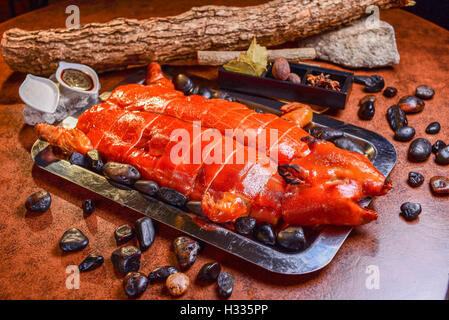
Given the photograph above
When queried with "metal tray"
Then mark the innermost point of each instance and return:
(320, 252)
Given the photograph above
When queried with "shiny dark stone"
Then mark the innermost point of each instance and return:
(209, 272)
(245, 225)
(223, 95)
(440, 185)
(94, 161)
(292, 238)
(126, 259)
(145, 232)
(424, 92)
(265, 234)
(39, 201)
(206, 93)
(396, 117)
(78, 159)
(411, 104)
(93, 261)
(225, 284)
(375, 84)
(186, 250)
(88, 206)
(195, 207)
(195, 89)
(259, 110)
(161, 273)
(147, 186)
(419, 150)
(410, 210)
(347, 144)
(433, 128)
(135, 284)
(442, 156)
(124, 233)
(362, 80)
(73, 240)
(415, 179)
(404, 134)
(183, 83)
(325, 133)
(366, 110)
(367, 98)
(390, 92)
(121, 173)
(437, 146)
(172, 197)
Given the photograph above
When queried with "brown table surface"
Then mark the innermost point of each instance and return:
(412, 257)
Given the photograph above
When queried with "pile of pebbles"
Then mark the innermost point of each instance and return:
(419, 149)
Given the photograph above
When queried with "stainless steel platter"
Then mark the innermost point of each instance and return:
(320, 252)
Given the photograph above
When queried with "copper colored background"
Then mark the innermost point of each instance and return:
(412, 257)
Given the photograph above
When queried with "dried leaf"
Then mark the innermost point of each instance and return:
(253, 62)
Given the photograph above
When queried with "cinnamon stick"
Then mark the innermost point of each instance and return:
(218, 58)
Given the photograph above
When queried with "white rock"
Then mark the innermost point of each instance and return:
(360, 45)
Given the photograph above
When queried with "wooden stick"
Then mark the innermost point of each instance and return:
(122, 42)
(218, 58)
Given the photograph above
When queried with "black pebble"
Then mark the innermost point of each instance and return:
(245, 225)
(347, 144)
(265, 234)
(390, 92)
(225, 284)
(424, 92)
(73, 240)
(325, 133)
(206, 93)
(39, 201)
(439, 144)
(135, 284)
(292, 238)
(186, 251)
(433, 128)
(172, 197)
(126, 259)
(124, 233)
(415, 179)
(442, 156)
(161, 273)
(93, 261)
(121, 173)
(419, 150)
(375, 84)
(396, 117)
(94, 161)
(410, 210)
(147, 186)
(404, 134)
(145, 232)
(259, 110)
(78, 159)
(366, 110)
(209, 272)
(88, 206)
(183, 83)
(362, 80)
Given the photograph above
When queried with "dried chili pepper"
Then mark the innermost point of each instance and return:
(323, 81)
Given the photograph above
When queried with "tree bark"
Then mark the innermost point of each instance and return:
(122, 42)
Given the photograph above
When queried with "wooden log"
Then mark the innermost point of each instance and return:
(218, 58)
(122, 42)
